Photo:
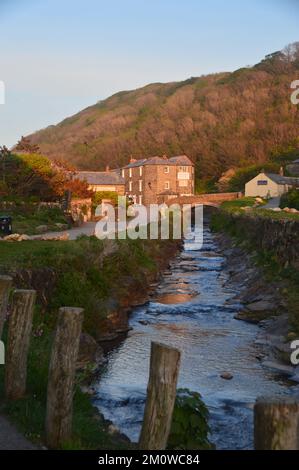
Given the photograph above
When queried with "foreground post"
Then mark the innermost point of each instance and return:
(19, 332)
(5, 286)
(61, 376)
(276, 424)
(161, 393)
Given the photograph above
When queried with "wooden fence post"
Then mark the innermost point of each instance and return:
(61, 376)
(19, 332)
(161, 394)
(5, 286)
(276, 424)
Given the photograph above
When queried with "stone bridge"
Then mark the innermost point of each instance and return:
(213, 199)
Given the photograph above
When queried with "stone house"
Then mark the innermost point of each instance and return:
(109, 180)
(270, 185)
(157, 179)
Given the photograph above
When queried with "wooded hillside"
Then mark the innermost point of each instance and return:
(221, 121)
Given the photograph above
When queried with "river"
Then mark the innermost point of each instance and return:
(192, 310)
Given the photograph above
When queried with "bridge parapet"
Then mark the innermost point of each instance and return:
(213, 199)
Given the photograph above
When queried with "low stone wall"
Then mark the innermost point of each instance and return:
(278, 236)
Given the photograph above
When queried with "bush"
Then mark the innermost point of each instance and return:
(291, 199)
(189, 429)
(243, 175)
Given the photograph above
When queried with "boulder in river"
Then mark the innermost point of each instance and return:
(226, 376)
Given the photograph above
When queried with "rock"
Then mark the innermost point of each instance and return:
(14, 237)
(42, 229)
(112, 429)
(226, 376)
(89, 350)
(276, 209)
(261, 306)
(143, 322)
(280, 368)
(244, 316)
(23, 238)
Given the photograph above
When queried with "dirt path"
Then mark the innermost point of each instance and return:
(11, 439)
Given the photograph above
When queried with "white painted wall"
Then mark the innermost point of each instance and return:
(271, 189)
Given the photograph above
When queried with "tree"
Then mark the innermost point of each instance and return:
(4, 155)
(24, 145)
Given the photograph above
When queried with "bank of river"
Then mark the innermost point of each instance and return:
(192, 309)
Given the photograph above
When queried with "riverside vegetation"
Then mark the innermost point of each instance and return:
(270, 237)
(105, 278)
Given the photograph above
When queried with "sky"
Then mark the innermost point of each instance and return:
(60, 56)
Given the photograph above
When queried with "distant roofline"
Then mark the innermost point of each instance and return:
(156, 160)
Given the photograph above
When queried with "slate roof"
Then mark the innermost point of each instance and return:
(283, 179)
(181, 160)
(112, 177)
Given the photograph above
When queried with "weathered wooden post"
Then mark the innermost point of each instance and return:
(5, 286)
(19, 332)
(61, 376)
(276, 424)
(161, 394)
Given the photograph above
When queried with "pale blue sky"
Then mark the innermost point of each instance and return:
(59, 56)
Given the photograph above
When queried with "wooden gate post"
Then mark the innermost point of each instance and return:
(61, 376)
(276, 424)
(161, 394)
(19, 332)
(5, 286)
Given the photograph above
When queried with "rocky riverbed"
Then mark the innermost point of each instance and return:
(262, 303)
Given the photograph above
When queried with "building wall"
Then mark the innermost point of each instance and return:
(156, 179)
(119, 189)
(271, 189)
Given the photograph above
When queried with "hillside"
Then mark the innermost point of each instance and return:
(221, 121)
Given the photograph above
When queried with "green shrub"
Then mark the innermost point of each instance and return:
(291, 199)
(189, 429)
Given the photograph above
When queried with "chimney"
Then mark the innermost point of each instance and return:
(164, 157)
(132, 160)
(107, 168)
(281, 172)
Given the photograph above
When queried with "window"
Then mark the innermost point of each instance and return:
(140, 200)
(183, 183)
(140, 185)
(262, 182)
(130, 172)
(166, 185)
(166, 169)
(140, 170)
(130, 185)
(123, 173)
(184, 169)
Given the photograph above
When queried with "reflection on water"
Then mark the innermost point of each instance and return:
(189, 312)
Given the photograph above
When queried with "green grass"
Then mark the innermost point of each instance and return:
(26, 218)
(236, 207)
(83, 278)
(29, 413)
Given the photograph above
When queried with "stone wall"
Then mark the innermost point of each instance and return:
(277, 236)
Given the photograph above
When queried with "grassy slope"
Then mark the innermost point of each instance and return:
(83, 280)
